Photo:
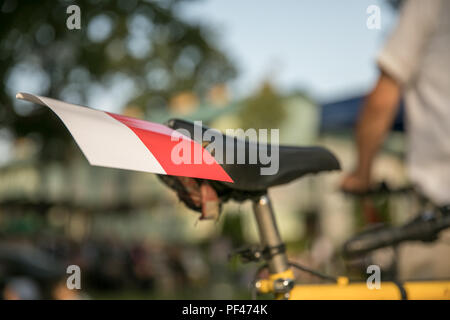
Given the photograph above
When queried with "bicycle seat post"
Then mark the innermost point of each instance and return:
(269, 235)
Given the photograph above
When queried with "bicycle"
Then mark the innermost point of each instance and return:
(296, 162)
(246, 184)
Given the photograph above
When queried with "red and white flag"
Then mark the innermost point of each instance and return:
(116, 141)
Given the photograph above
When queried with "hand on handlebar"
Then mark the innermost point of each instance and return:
(355, 183)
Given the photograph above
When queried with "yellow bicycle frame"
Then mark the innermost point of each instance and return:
(343, 290)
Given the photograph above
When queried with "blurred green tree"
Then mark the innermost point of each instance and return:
(264, 110)
(141, 48)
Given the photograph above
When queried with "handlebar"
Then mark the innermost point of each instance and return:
(425, 227)
(381, 188)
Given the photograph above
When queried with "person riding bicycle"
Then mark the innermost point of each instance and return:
(415, 64)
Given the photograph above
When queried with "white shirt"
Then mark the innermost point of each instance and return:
(417, 55)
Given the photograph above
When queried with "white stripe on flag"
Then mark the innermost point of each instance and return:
(103, 140)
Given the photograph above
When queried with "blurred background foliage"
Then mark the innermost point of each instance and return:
(142, 49)
(264, 109)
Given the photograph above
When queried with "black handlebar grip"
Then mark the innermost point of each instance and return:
(420, 229)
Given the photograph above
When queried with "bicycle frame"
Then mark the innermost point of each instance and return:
(281, 279)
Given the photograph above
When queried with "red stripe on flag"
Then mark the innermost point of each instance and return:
(158, 140)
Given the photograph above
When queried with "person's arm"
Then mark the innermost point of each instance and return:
(373, 125)
(400, 58)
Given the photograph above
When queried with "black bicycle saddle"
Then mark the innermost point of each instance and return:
(294, 162)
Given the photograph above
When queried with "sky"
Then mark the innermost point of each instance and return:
(321, 46)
